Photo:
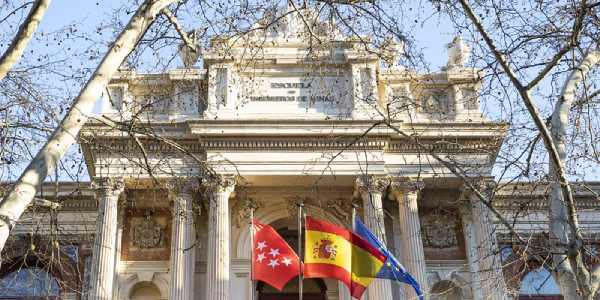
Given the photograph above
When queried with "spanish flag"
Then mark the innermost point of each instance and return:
(334, 252)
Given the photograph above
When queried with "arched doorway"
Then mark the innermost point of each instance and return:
(446, 290)
(313, 289)
(144, 291)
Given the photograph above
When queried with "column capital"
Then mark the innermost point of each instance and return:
(221, 184)
(371, 184)
(106, 187)
(183, 186)
(484, 187)
(407, 187)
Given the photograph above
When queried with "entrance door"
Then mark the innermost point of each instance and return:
(314, 289)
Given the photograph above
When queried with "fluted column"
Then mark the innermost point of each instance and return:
(182, 239)
(217, 272)
(413, 256)
(466, 212)
(371, 188)
(492, 280)
(105, 250)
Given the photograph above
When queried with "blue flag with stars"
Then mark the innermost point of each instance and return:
(392, 269)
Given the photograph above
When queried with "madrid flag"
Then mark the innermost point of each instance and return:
(273, 261)
(335, 252)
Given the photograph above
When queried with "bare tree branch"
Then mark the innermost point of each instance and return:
(180, 30)
(26, 31)
(24, 189)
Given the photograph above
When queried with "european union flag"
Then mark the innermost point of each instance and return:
(392, 269)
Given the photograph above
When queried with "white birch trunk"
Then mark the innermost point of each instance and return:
(21, 40)
(24, 189)
(582, 286)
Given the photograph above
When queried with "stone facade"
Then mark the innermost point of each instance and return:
(273, 128)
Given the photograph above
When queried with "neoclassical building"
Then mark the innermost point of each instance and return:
(272, 118)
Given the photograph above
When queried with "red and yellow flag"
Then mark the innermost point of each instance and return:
(335, 252)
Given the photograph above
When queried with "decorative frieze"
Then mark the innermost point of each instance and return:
(295, 145)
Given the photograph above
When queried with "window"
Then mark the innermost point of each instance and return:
(539, 282)
(28, 283)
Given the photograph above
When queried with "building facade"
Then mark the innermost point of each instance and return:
(273, 118)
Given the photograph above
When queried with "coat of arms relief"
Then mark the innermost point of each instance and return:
(147, 233)
(438, 231)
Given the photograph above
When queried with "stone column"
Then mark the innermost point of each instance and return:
(492, 280)
(371, 188)
(413, 257)
(466, 213)
(217, 272)
(105, 250)
(182, 239)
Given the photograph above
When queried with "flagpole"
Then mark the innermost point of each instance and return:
(251, 205)
(354, 206)
(299, 250)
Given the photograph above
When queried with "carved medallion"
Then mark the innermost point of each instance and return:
(147, 234)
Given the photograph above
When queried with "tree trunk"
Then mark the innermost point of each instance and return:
(25, 188)
(26, 31)
(582, 286)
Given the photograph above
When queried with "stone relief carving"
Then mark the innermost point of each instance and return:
(434, 103)
(148, 233)
(340, 208)
(439, 232)
(243, 211)
(290, 205)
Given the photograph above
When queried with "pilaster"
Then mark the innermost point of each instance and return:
(105, 242)
(371, 188)
(182, 262)
(413, 256)
(219, 190)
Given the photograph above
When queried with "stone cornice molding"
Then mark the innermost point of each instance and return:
(371, 184)
(407, 187)
(107, 187)
(183, 187)
(219, 185)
